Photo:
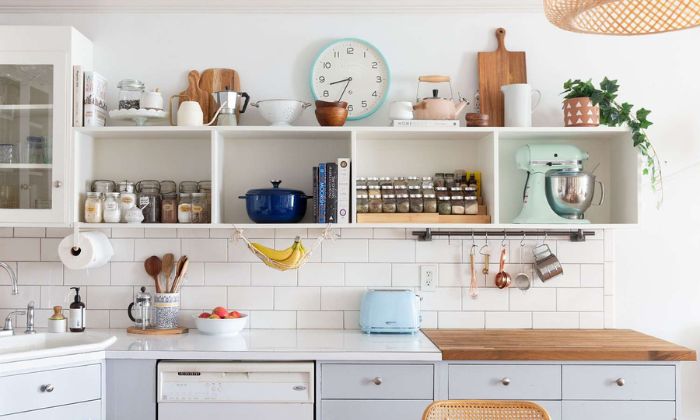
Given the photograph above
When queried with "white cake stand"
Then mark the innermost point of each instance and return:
(139, 116)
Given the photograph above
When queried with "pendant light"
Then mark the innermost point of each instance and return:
(623, 17)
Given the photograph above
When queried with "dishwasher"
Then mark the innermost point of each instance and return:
(240, 390)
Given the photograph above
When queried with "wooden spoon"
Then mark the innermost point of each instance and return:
(153, 267)
(168, 265)
(182, 264)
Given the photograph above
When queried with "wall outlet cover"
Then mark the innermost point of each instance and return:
(428, 278)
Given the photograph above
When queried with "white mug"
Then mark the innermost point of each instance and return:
(401, 110)
(517, 104)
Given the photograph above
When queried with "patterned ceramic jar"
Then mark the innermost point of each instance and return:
(166, 305)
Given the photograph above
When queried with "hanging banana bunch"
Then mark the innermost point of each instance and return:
(287, 259)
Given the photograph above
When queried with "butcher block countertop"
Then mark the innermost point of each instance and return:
(561, 345)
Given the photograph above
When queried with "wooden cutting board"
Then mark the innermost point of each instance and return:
(498, 68)
(195, 93)
(214, 80)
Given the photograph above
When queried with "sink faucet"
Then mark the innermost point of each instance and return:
(30, 319)
(13, 277)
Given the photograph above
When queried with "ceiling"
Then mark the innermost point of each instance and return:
(269, 6)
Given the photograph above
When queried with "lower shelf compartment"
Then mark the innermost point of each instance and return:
(422, 218)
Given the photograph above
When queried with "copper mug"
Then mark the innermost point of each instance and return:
(547, 265)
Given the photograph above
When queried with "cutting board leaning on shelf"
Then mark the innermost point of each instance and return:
(201, 86)
(498, 68)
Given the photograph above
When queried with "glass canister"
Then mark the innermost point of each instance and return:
(439, 179)
(189, 187)
(168, 187)
(430, 202)
(168, 208)
(205, 188)
(375, 202)
(36, 150)
(199, 202)
(427, 183)
(458, 204)
(93, 207)
(149, 200)
(127, 198)
(184, 208)
(471, 206)
(450, 180)
(130, 91)
(416, 200)
(362, 203)
(110, 210)
(104, 186)
(444, 205)
(403, 204)
(413, 181)
(389, 203)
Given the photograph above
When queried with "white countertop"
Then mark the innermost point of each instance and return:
(254, 344)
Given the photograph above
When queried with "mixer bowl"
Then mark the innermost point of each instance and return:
(570, 193)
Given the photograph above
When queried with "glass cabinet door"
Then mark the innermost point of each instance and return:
(33, 121)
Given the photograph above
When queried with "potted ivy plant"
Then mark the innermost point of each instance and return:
(601, 101)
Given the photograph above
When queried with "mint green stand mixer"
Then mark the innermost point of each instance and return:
(541, 161)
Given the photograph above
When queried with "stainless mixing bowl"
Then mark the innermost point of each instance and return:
(570, 193)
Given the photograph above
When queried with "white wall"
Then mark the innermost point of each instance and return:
(656, 274)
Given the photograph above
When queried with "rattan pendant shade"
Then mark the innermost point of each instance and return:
(623, 17)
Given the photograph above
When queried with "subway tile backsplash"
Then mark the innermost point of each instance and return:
(326, 292)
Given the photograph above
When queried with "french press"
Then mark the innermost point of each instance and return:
(143, 309)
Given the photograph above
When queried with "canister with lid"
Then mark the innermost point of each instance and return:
(388, 202)
(127, 198)
(429, 202)
(103, 186)
(198, 205)
(403, 204)
(444, 205)
(189, 187)
(110, 211)
(93, 207)
(362, 202)
(149, 200)
(458, 204)
(184, 208)
(130, 91)
(416, 202)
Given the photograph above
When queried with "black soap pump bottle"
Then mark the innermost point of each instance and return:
(76, 317)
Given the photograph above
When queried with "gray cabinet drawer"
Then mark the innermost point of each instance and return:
(377, 382)
(635, 382)
(524, 382)
(373, 410)
(618, 410)
(30, 391)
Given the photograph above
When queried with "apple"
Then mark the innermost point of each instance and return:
(204, 315)
(214, 316)
(235, 314)
(220, 311)
(229, 317)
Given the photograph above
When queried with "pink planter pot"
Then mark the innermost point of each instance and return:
(580, 112)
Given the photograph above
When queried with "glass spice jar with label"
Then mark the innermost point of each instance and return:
(168, 208)
(375, 202)
(110, 210)
(441, 192)
(184, 208)
(388, 203)
(427, 183)
(403, 204)
(149, 200)
(444, 205)
(413, 181)
(199, 203)
(205, 188)
(416, 203)
(362, 202)
(361, 181)
(471, 206)
(93, 207)
(439, 179)
(458, 204)
(127, 198)
(429, 202)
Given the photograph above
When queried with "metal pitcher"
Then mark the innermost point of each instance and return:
(231, 102)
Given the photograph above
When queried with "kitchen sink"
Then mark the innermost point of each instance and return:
(34, 346)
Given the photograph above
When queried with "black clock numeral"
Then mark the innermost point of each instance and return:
(375, 64)
(350, 108)
(326, 64)
(364, 104)
(374, 94)
(379, 79)
(322, 79)
(350, 50)
(336, 54)
(325, 94)
(364, 54)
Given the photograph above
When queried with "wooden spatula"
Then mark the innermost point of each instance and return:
(498, 68)
(168, 265)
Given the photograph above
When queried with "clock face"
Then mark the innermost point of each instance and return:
(354, 69)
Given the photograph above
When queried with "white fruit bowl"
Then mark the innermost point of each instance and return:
(220, 326)
(281, 111)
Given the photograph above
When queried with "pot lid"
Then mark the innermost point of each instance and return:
(275, 190)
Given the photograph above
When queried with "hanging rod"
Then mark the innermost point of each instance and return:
(574, 236)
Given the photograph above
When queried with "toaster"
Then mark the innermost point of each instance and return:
(390, 311)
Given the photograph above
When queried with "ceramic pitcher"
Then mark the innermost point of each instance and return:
(518, 104)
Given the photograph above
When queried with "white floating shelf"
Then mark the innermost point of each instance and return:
(26, 107)
(25, 166)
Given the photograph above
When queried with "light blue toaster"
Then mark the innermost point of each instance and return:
(390, 311)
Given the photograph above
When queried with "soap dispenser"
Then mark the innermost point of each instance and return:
(76, 314)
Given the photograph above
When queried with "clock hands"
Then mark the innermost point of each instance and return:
(347, 83)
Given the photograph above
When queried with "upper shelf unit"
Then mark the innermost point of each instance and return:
(237, 159)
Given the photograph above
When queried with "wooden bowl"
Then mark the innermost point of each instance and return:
(331, 116)
(477, 120)
(327, 104)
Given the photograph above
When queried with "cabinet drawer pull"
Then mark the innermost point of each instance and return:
(47, 388)
(620, 382)
(58, 184)
(505, 381)
(377, 380)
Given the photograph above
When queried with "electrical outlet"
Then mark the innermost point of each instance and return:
(428, 278)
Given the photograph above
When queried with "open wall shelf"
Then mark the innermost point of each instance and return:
(237, 159)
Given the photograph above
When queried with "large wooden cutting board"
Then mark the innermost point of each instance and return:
(498, 68)
(214, 80)
(195, 93)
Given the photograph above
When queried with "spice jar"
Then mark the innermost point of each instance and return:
(130, 91)
(389, 203)
(458, 204)
(149, 200)
(184, 208)
(456, 190)
(375, 202)
(110, 211)
(469, 191)
(416, 203)
(205, 188)
(361, 181)
(103, 186)
(427, 183)
(403, 204)
(400, 185)
(168, 208)
(127, 198)
(429, 202)
(450, 180)
(471, 206)
(362, 202)
(386, 181)
(439, 179)
(93, 207)
(444, 205)
(198, 204)
(413, 182)
(189, 187)
(441, 192)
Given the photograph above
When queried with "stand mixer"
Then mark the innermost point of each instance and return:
(557, 189)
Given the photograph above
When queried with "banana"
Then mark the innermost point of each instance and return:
(293, 259)
(274, 254)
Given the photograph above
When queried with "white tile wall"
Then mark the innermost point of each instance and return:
(326, 292)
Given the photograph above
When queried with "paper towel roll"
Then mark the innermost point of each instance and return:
(95, 250)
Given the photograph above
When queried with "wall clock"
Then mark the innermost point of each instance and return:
(354, 69)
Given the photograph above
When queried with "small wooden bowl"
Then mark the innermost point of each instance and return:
(327, 104)
(477, 120)
(331, 116)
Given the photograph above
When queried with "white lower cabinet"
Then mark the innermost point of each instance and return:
(91, 410)
(618, 410)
